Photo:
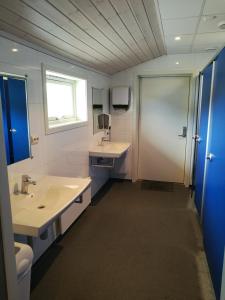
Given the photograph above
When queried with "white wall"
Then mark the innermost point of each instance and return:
(124, 122)
(64, 153)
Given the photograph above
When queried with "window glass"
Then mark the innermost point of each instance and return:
(60, 100)
(65, 101)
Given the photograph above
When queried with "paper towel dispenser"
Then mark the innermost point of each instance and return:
(97, 98)
(120, 97)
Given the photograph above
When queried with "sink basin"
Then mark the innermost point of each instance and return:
(32, 213)
(109, 149)
(16, 250)
(45, 198)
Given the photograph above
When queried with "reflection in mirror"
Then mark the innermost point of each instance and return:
(15, 118)
(97, 108)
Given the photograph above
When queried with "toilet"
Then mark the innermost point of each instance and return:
(24, 258)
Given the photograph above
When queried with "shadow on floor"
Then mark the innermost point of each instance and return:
(44, 263)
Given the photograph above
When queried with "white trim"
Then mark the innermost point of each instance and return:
(189, 140)
(62, 71)
(136, 112)
(66, 127)
(197, 108)
(200, 101)
(13, 75)
(6, 222)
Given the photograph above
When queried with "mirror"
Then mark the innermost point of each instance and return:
(97, 108)
(15, 118)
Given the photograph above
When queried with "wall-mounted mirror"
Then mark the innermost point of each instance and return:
(15, 118)
(97, 108)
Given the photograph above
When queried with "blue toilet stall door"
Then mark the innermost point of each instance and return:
(214, 197)
(15, 118)
(18, 119)
(4, 118)
(201, 137)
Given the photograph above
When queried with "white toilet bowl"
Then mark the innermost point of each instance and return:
(24, 257)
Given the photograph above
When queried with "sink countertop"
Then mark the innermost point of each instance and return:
(31, 214)
(109, 149)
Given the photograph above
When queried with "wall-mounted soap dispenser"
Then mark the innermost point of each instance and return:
(104, 122)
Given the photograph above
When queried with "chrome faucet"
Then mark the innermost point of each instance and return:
(101, 142)
(26, 181)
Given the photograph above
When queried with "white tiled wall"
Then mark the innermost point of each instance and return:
(123, 121)
(64, 153)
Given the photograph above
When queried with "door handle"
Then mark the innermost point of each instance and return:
(196, 138)
(13, 130)
(184, 133)
(210, 156)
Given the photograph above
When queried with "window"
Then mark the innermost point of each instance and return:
(65, 101)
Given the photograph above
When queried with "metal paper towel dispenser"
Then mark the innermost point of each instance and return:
(120, 97)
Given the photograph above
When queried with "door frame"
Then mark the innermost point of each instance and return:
(198, 90)
(190, 121)
(8, 267)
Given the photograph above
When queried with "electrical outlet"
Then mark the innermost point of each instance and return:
(34, 140)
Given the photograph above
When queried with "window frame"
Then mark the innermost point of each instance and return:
(66, 123)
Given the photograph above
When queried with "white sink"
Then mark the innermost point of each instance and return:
(109, 149)
(33, 213)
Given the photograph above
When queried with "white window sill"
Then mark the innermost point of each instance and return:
(64, 127)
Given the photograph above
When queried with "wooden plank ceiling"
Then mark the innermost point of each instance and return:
(108, 35)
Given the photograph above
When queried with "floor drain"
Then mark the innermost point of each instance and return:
(41, 206)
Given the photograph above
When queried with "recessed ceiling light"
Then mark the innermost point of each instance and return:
(177, 63)
(14, 50)
(177, 38)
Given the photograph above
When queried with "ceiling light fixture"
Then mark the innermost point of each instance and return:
(14, 50)
(177, 38)
(177, 63)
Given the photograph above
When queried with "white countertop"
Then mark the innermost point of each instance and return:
(109, 149)
(54, 193)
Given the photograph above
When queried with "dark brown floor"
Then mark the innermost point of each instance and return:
(136, 243)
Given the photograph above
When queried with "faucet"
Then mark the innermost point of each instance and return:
(101, 143)
(26, 181)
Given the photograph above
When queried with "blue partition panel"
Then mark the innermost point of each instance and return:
(214, 200)
(18, 119)
(4, 117)
(202, 133)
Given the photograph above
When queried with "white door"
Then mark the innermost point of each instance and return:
(163, 119)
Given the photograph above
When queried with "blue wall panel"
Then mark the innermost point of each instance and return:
(5, 120)
(214, 201)
(18, 119)
(15, 118)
